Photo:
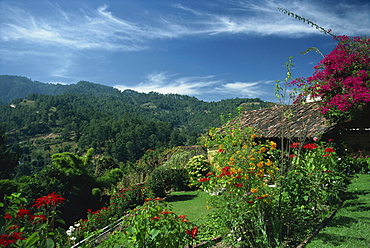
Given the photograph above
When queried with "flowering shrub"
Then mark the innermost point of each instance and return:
(241, 176)
(197, 168)
(260, 204)
(315, 180)
(152, 225)
(341, 79)
(124, 200)
(33, 227)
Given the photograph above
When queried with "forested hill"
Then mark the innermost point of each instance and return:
(13, 87)
(122, 125)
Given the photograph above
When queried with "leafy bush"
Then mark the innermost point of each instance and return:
(164, 179)
(152, 225)
(261, 204)
(197, 168)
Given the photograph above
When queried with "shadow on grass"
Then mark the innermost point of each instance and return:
(342, 221)
(176, 198)
(334, 239)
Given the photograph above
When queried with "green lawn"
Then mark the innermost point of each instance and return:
(191, 203)
(350, 227)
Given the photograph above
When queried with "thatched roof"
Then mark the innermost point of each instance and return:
(303, 120)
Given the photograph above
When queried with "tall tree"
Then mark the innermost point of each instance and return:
(8, 158)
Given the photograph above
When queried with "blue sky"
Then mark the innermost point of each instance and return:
(210, 49)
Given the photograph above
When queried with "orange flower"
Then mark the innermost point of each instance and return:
(254, 190)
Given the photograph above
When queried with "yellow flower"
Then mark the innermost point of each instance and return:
(268, 163)
(273, 144)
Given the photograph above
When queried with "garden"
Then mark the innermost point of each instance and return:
(247, 191)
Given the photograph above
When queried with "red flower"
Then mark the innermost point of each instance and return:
(310, 146)
(326, 155)
(10, 239)
(148, 199)
(38, 218)
(220, 150)
(226, 169)
(8, 216)
(51, 199)
(209, 174)
(193, 232)
(292, 155)
(22, 212)
(182, 216)
(250, 202)
(329, 149)
(328, 171)
(238, 185)
(157, 199)
(204, 179)
(12, 227)
(165, 212)
(155, 218)
(294, 145)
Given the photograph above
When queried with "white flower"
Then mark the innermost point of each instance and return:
(73, 238)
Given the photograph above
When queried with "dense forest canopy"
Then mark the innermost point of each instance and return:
(42, 119)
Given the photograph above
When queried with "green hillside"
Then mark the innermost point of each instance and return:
(43, 119)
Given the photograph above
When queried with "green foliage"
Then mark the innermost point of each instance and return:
(66, 174)
(8, 157)
(349, 227)
(119, 203)
(163, 179)
(179, 159)
(197, 168)
(116, 124)
(263, 202)
(110, 178)
(32, 226)
(7, 187)
(151, 225)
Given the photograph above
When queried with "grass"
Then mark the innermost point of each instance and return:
(194, 204)
(350, 227)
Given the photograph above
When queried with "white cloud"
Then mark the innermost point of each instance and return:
(163, 83)
(263, 18)
(101, 29)
(196, 86)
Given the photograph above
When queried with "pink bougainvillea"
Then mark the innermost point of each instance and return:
(341, 80)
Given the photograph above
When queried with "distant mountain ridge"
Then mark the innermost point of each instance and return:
(13, 87)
